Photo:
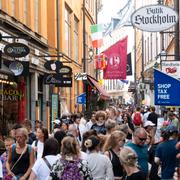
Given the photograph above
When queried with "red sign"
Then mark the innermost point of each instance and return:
(116, 60)
(100, 61)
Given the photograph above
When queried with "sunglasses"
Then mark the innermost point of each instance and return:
(142, 139)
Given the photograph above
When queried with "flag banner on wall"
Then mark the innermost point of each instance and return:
(129, 65)
(97, 35)
(116, 60)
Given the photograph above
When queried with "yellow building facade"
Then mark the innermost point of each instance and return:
(46, 27)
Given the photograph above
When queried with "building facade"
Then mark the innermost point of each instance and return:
(48, 28)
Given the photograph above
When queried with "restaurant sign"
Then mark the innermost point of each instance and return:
(154, 18)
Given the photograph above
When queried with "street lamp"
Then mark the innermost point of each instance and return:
(163, 55)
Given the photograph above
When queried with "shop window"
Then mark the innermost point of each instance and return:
(12, 102)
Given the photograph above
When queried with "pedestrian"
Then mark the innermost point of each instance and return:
(128, 159)
(112, 148)
(38, 145)
(99, 164)
(141, 149)
(43, 166)
(174, 120)
(59, 136)
(146, 114)
(8, 141)
(32, 137)
(153, 117)
(137, 118)
(166, 152)
(110, 126)
(20, 156)
(91, 121)
(69, 166)
(99, 126)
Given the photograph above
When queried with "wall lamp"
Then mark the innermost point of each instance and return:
(163, 56)
(91, 54)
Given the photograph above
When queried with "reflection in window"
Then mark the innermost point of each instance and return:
(67, 32)
(76, 46)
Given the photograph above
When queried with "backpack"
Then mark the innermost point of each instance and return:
(71, 171)
(137, 120)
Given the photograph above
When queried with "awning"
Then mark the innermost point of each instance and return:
(103, 94)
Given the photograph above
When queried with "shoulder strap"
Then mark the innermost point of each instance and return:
(36, 142)
(110, 155)
(47, 163)
(19, 158)
(29, 148)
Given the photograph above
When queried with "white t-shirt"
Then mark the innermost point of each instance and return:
(40, 148)
(41, 169)
(100, 166)
(1, 171)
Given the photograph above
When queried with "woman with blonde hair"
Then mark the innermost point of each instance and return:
(70, 166)
(20, 156)
(129, 161)
(112, 147)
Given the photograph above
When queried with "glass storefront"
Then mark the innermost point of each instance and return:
(12, 102)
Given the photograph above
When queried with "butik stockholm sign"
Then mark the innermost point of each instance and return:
(154, 18)
(16, 50)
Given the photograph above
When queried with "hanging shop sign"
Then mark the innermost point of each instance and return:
(81, 99)
(58, 80)
(19, 68)
(65, 70)
(16, 50)
(154, 18)
(53, 65)
(80, 76)
(166, 89)
(172, 68)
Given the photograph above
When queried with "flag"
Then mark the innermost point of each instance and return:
(97, 35)
(116, 60)
(129, 65)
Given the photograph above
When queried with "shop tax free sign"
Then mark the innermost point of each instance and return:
(166, 89)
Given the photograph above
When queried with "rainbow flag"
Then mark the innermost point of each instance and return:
(97, 35)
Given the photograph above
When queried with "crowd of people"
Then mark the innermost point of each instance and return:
(114, 144)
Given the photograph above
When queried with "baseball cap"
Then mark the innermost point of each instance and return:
(57, 121)
(148, 123)
(171, 128)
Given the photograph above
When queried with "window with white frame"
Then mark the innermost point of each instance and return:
(36, 15)
(76, 37)
(67, 32)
